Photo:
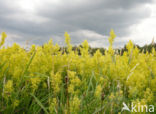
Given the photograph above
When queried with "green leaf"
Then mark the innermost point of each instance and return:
(39, 103)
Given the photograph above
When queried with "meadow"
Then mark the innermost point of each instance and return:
(47, 80)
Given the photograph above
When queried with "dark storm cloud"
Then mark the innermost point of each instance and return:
(53, 19)
(99, 15)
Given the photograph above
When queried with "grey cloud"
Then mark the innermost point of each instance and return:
(73, 16)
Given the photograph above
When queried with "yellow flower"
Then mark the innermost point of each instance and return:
(53, 105)
(74, 81)
(56, 80)
(111, 40)
(84, 49)
(148, 95)
(75, 105)
(85, 44)
(130, 46)
(102, 80)
(16, 103)
(35, 83)
(112, 36)
(67, 41)
(112, 96)
(71, 74)
(67, 38)
(8, 88)
(71, 88)
(98, 91)
(3, 38)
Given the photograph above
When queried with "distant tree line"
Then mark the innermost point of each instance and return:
(92, 50)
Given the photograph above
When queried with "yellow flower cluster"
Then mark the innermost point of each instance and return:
(56, 81)
(75, 105)
(111, 40)
(98, 91)
(3, 38)
(8, 88)
(74, 81)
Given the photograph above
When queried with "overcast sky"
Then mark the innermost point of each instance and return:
(36, 21)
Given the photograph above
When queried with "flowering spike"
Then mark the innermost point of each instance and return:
(3, 38)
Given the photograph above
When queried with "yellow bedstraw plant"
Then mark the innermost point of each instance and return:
(59, 80)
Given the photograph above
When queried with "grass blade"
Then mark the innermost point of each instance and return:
(39, 103)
